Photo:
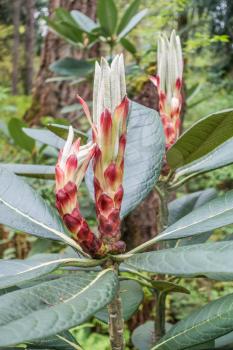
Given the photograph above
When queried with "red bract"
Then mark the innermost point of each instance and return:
(71, 167)
(110, 111)
(169, 82)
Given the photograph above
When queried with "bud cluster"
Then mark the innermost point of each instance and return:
(169, 82)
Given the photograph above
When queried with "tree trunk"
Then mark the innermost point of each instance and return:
(49, 98)
(16, 43)
(29, 44)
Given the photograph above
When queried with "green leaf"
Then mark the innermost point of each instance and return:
(68, 31)
(83, 21)
(56, 342)
(62, 131)
(209, 259)
(15, 127)
(23, 209)
(221, 156)
(201, 138)
(69, 66)
(107, 15)
(225, 342)
(133, 23)
(143, 156)
(184, 205)
(14, 272)
(214, 214)
(129, 13)
(129, 46)
(52, 307)
(31, 170)
(45, 136)
(143, 336)
(131, 295)
(206, 323)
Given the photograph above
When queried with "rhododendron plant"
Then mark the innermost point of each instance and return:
(99, 276)
(168, 82)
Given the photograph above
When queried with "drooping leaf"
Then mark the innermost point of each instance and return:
(221, 156)
(51, 307)
(83, 21)
(31, 170)
(133, 23)
(214, 214)
(143, 156)
(209, 259)
(62, 131)
(45, 136)
(107, 15)
(201, 138)
(129, 13)
(69, 66)
(131, 295)
(206, 323)
(15, 127)
(23, 209)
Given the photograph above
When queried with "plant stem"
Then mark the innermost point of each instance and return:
(160, 299)
(116, 323)
(163, 210)
(160, 315)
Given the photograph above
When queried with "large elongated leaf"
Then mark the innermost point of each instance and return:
(31, 170)
(51, 307)
(208, 259)
(131, 295)
(207, 323)
(184, 205)
(214, 214)
(143, 338)
(201, 138)
(69, 32)
(219, 157)
(14, 272)
(132, 23)
(143, 156)
(45, 136)
(69, 66)
(23, 209)
(129, 13)
(83, 21)
(107, 15)
(20, 139)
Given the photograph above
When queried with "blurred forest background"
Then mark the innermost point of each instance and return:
(46, 58)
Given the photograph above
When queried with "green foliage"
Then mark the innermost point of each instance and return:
(54, 306)
(201, 138)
